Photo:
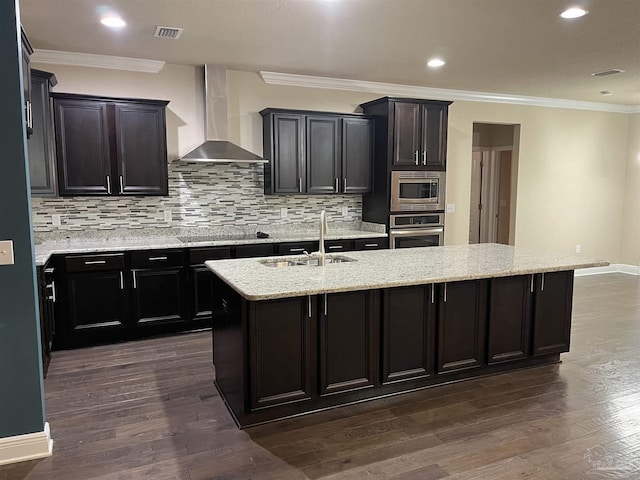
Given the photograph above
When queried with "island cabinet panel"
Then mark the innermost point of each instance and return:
(553, 293)
(462, 311)
(509, 318)
(348, 327)
(282, 352)
(408, 333)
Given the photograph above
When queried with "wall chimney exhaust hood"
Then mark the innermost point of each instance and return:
(217, 149)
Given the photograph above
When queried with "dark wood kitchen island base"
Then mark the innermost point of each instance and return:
(289, 356)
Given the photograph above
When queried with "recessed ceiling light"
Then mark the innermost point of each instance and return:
(606, 93)
(435, 63)
(113, 21)
(574, 12)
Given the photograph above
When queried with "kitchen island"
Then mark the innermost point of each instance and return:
(294, 338)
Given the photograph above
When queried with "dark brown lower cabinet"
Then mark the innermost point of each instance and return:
(509, 326)
(348, 339)
(157, 296)
(95, 301)
(282, 352)
(408, 333)
(461, 325)
(553, 293)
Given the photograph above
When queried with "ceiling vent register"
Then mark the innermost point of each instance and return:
(172, 33)
(606, 73)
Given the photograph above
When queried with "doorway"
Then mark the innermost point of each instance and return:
(493, 183)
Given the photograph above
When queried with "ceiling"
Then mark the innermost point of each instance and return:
(517, 47)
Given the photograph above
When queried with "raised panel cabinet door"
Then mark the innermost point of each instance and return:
(288, 154)
(509, 323)
(461, 325)
(95, 301)
(282, 361)
(83, 148)
(357, 155)
(408, 333)
(140, 134)
(322, 154)
(158, 296)
(553, 298)
(41, 145)
(434, 137)
(406, 134)
(347, 331)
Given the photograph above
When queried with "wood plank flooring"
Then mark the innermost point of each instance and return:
(149, 410)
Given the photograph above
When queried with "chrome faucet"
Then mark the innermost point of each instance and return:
(324, 227)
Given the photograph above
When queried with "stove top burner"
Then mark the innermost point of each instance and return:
(230, 236)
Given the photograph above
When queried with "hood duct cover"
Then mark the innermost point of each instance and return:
(217, 148)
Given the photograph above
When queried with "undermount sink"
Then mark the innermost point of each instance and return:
(307, 261)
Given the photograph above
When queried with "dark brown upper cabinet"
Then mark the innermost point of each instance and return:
(417, 132)
(26, 52)
(110, 146)
(41, 145)
(317, 152)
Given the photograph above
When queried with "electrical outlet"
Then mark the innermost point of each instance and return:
(451, 207)
(578, 249)
(6, 252)
(56, 219)
(283, 212)
(168, 217)
(345, 211)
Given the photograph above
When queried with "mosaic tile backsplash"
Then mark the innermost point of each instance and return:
(200, 195)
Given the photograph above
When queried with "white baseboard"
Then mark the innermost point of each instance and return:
(613, 268)
(30, 446)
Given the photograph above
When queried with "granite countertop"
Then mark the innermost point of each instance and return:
(390, 268)
(105, 242)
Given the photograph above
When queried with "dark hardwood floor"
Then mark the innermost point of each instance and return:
(149, 410)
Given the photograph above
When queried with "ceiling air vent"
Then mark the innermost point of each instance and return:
(172, 33)
(606, 73)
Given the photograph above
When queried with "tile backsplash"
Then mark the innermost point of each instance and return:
(200, 195)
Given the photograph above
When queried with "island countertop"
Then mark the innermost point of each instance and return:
(390, 268)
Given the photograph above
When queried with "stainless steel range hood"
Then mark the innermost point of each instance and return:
(217, 148)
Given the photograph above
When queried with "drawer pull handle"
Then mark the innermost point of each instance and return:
(296, 249)
(157, 259)
(95, 262)
(335, 247)
(370, 244)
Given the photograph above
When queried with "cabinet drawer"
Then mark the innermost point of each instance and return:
(332, 246)
(371, 243)
(92, 263)
(197, 256)
(255, 250)
(297, 248)
(157, 258)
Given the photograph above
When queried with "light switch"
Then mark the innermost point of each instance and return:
(451, 207)
(168, 216)
(283, 212)
(6, 252)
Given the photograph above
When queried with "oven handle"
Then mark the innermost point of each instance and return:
(416, 231)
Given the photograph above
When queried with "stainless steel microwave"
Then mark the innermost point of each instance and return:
(417, 191)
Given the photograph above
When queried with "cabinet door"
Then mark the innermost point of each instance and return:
(141, 149)
(434, 137)
(322, 154)
(553, 299)
(357, 155)
(83, 149)
(348, 341)
(509, 319)
(41, 146)
(158, 296)
(408, 333)
(281, 351)
(288, 147)
(95, 301)
(461, 325)
(202, 282)
(406, 134)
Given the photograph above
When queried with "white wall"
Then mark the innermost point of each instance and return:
(572, 163)
(630, 238)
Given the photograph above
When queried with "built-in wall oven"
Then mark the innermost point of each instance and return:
(417, 191)
(416, 230)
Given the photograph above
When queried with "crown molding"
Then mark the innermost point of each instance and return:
(76, 59)
(393, 89)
